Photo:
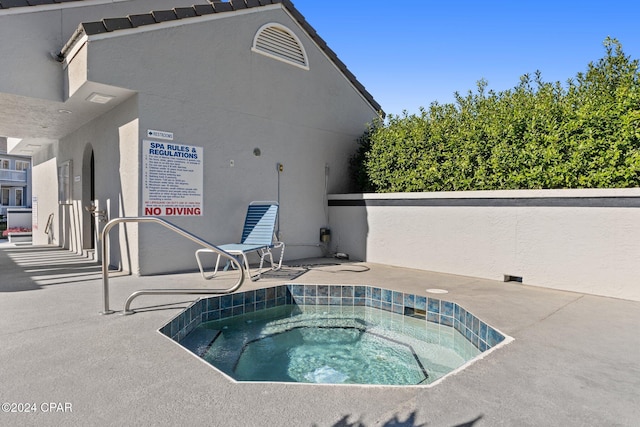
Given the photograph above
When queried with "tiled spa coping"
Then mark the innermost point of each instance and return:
(481, 335)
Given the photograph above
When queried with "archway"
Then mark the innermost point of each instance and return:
(88, 197)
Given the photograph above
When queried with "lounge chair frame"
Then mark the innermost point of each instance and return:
(258, 235)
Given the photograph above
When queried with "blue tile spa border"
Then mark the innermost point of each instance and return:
(447, 313)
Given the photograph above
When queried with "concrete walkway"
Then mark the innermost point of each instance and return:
(575, 360)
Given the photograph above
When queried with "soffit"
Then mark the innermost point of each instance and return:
(38, 121)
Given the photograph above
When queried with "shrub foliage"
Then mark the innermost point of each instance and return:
(537, 135)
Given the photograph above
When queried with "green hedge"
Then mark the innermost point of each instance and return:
(537, 135)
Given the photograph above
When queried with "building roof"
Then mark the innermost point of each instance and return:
(109, 25)
(8, 4)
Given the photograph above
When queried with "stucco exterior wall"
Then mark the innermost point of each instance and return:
(113, 139)
(576, 240)
(44, 170)
(199, 79)
(222, 96)
(32, 34)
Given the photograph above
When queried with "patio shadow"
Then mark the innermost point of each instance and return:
(30, 268)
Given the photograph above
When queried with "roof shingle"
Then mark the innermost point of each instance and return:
(113, 24)
(142, 19)
(185, 12)
(6, 4)
(238, 4)
(203, 9)
(94, 27)
(164, 15)
(222, 7)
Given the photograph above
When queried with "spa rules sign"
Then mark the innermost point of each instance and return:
(171, 179)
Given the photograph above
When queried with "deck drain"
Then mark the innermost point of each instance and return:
(437, 291)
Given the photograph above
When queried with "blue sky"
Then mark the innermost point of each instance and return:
(409, 53)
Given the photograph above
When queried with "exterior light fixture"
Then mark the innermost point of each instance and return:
(99, 98)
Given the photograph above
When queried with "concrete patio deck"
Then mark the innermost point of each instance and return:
(575, 360)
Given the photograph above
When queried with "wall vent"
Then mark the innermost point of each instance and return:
(278, 42)
(511, 278)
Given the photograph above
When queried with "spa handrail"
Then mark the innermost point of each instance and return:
(105, 264)
(47, 228)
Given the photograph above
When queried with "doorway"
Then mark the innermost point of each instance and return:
(88, 198)
(92, 190)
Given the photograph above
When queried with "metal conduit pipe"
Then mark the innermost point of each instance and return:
(166, 224)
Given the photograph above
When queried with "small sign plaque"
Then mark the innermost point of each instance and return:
(160, 134)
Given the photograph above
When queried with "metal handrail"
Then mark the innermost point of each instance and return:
(105, 264)
(47, 227)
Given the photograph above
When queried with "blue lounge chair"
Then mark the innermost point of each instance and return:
(258, 234)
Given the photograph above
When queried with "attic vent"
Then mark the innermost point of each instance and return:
(277, 41)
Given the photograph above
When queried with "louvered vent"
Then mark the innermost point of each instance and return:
(279, 42)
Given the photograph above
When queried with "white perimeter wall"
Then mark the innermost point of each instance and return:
(576, 240)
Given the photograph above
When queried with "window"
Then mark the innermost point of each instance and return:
(4, 164)
(19, 201)
(279, 42)
(5, 197)
(22, 166)
(64, 182)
